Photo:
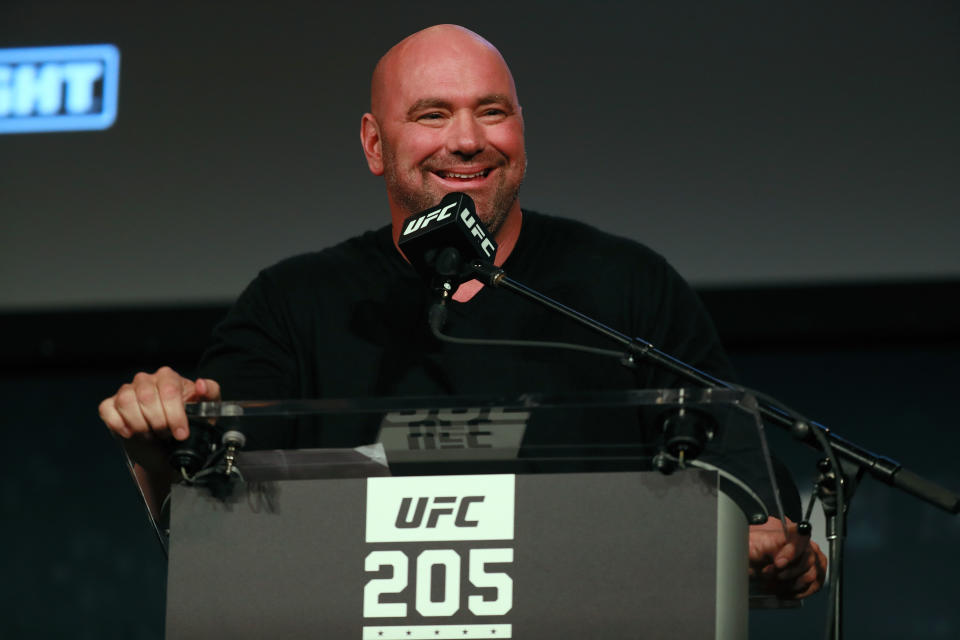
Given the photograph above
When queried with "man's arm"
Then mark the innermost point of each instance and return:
(146, 414)
(791, 566)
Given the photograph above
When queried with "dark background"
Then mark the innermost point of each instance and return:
(797, 161)
(750, 142)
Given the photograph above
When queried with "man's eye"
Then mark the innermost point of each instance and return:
(430, 116)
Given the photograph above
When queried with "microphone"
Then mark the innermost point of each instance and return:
(442, 244)
(442, 241)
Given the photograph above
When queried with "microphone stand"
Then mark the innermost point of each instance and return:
(828, 488)
(833, 488)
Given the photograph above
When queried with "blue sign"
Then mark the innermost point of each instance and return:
(70, 88)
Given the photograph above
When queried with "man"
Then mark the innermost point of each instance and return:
(348, 321)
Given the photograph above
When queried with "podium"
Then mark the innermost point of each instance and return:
(529, 517)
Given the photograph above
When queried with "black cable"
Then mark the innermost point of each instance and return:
(524, 343)
(437, 317)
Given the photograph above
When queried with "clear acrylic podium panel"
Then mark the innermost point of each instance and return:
(527, 433)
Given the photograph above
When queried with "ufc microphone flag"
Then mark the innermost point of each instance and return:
(452, 224)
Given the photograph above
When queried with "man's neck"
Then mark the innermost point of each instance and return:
(506, 238)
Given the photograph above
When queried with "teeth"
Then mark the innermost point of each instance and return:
(464, 176)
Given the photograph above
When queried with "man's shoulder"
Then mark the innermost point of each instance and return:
(580, 238)
(348, 269)
(362, 251)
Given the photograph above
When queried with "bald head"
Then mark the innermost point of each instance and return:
(423, 47)
(444, 118)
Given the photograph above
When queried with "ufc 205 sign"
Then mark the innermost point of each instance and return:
(443, 551)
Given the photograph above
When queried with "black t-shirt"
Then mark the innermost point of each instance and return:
(350, 321)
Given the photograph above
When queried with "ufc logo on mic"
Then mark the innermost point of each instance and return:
(421, 222)
(440, 508)
(478, 231)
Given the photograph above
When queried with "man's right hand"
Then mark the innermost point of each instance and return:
(144, 413)
(151, 407)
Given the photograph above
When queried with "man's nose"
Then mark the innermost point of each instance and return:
(465, 135)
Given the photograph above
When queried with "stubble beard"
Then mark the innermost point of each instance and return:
(413, 201)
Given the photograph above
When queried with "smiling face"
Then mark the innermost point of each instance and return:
(445, 118)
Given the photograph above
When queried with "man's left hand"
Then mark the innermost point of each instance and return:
(791, 566)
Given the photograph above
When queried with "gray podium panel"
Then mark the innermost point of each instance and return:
(611, 555)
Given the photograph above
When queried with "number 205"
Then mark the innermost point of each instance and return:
(450, 603)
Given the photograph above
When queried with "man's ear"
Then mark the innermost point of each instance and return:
(371, 143)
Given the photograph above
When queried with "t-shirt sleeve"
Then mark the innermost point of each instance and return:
(669, 315)
(251, 353)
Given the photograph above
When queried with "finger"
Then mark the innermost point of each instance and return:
(763, 548)
(785, 555)
(170, 386)
(794, 549)
(821, 561)
(805, 579)
(148, 397)
(126, 404)
(208, 389)
(799, 567)
(807, 584)
(813, 579)
(112, 418)
(809, 591)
